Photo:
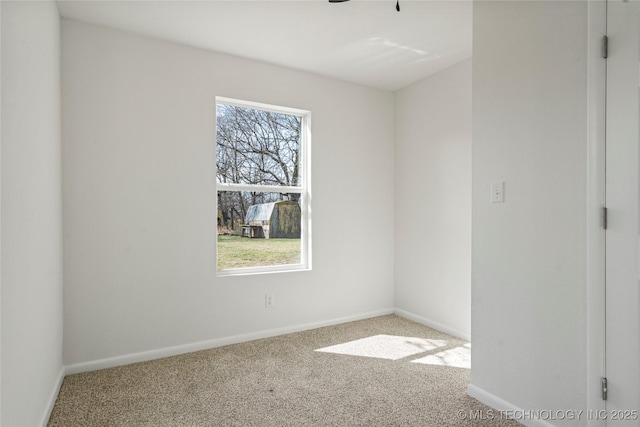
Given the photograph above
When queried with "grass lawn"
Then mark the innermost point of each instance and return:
(240, 252)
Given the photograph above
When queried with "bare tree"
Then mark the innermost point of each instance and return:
(255, 147)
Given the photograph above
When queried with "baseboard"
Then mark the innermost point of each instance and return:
(432, 324)
(219, 342)
(52, 399)
(525, 417)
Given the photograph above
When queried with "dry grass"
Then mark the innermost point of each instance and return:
(241, 252)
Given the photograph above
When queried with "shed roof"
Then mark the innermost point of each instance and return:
(259, 212)
(263, 211)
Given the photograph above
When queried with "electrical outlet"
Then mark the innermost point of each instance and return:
(497, 192)
(268, 300)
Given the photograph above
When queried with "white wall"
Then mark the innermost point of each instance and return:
(433, 200)
(31, 212)
(529, 254)
(139, 199)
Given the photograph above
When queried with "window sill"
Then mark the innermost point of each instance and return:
(250, 271)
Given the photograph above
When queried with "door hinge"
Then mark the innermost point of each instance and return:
(605, 47)
(604, 218)
(603, 382)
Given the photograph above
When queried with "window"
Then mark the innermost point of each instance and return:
(263, 188)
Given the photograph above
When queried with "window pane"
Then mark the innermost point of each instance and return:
(257, 229)
(257, 147)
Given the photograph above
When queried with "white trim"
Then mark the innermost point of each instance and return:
(595, 302)
(306, 198)
(225, 186)
(261, 106)
(432, 324)
(219, 342)
(248, 271)
(502, 405)
(54, 396)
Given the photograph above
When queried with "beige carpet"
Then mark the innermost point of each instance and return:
(385, 371)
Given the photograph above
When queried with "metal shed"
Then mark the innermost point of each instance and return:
(273, 220)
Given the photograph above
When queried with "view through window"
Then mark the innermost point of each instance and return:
(262, 178)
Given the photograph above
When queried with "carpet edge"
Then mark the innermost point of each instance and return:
(145, 356)
(54, 396)
(500, 404)
(432, 324)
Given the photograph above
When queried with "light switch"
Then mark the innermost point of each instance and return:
(497, 192)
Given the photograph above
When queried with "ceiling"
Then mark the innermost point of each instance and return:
(365, 42)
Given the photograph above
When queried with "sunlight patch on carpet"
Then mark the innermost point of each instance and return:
(390, 347)
(459, 357)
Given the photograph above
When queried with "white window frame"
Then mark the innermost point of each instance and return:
(304, 190)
